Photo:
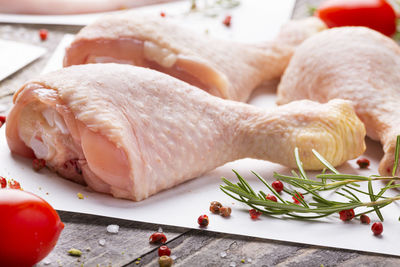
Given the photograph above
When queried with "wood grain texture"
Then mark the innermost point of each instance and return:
(190, 247)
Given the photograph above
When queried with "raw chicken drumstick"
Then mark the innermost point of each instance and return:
(223, 68)
(132, 131)
(352, 63)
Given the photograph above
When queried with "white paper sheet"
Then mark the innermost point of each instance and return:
(15, 55)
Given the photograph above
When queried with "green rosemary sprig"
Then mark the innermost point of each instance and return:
(345, 185)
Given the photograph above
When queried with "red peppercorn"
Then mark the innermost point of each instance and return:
(227, 21)
(365, 219)
(164, 251)
(158, 238)
(298, 196)
(43, 34)
(38, 164)
(162, 14)
(3, 182)
(377, 228)
(278, 186)
(346, 215)
(254, 214)
(203, 220)
(14, 184)
(363, 163)
(271, 197)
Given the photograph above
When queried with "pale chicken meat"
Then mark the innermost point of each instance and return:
(223, 68)
(62, 7)
(132, 132)
(356, 64)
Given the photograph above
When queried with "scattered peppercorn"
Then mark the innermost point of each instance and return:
(271, 197)
(3, 182)
(277, 186)
(14, 184)
(165, 261)
(377, 228)
(158, 238)
(215, 207)
(43, 34)
(296, 197)
(225, 211)
(363, 163)
(162, 14)
(227, 21)
(38, 164)
(254, 214)
(203, 220)
(75, 252)
(346, 215)
(365, 219)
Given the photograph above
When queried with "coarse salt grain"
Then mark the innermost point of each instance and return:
(102, 242)
(46, 261)
(160, 230)
(249, 260)
(113, 228)
(233, 264)
(173, 257)
(222, 254)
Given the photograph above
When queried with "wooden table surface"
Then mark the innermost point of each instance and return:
(130, 247)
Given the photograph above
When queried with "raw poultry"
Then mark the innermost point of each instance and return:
(356, 64)
(132, 132)
(223, 68)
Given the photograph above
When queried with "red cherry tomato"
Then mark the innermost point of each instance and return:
(29, 228)
(375, 14)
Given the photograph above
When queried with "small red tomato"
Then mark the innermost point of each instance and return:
(158, 238)
(12, 184)
(3, 182)
(377, 228)
(38, 164)
(162, 14)
(29, 227)
(203, 220)
(363, 163)
(43, 34)
(277, 186)
(164, 251)
(254, 214)
(271, 197)
(375, 14)
(346, 215)
(298, 196)
(227, 21)
(365, 219)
